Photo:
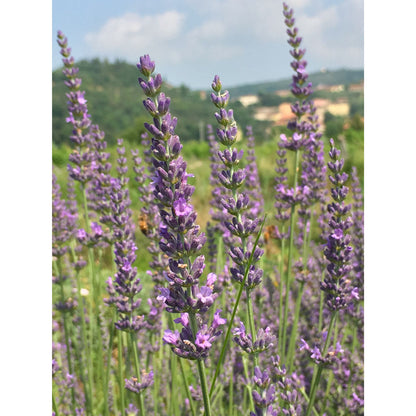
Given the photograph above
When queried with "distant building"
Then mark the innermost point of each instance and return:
(283, 93)
(330, 88)
(339, 108)
(279, 115)
(267, 113)
(356, 87)
(247, 100)
(321, 102)
(337, 88)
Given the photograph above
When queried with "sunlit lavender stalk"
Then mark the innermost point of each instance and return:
(182, 238)
(336, 285)
(240, 247)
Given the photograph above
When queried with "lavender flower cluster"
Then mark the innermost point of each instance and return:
(274, 324)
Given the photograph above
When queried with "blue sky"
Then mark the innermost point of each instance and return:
(243, 41)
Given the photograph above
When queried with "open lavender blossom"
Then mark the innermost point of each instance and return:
(186, 345)
(264, 340)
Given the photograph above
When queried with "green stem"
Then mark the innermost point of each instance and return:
(92, 305)
(217, 395)
(101, 356)
(331, 375)
(248, 385)
(173, 404)
(173, 385)
(66, 329)
(289, 261)
(281, 269)
(354, 345)
(320, 323)
(54, 406)
(157, 364)
(96, 329)
(201, 369)
(204, 387)
(230, 324)
(293, 335)
(320, 367)
(137, 367)
(85, 344)
(185, 382)
(250, 318)
(109, 351)
(328, 389)
(79, 362)
(120, 372)
(231, 392)
(321, 308)
(305, 396)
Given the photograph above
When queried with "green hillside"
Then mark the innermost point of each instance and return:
(115, 103)
(341, 76)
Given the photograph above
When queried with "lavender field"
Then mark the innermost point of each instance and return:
(254, 305)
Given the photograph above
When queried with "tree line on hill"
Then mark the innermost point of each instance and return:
(115, 103)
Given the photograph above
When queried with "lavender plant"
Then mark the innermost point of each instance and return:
(183, 239)
(172, 336)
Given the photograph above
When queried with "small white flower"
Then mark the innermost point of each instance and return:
(84, 292)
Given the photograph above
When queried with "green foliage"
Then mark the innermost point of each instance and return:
(357, 122)
(354, 149)
(270, 99)
(60, 155)
(132, 133)
(115, 102)
(357, 105)
(341, 76)
(334, 126)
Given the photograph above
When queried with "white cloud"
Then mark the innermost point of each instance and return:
(334, 36)
(131, 35)
(214, 34)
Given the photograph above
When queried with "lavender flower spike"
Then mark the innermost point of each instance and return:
(338, 251)
(125, 286)
(240, 224)
(181, 237)
(83, 164)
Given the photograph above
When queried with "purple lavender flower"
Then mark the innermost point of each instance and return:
(282, 205)
(63, 221)
(338, 252)
(180, 237)
(239, 224)
(125, 286)
(82, 158)
(288, 386)
(306, 138)
(264, 340)
(315, 352)
(132, 410)
(186, 345)
(218, 213)
(268, 395)
(135, 386)
(93, 238)
(357, 231)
